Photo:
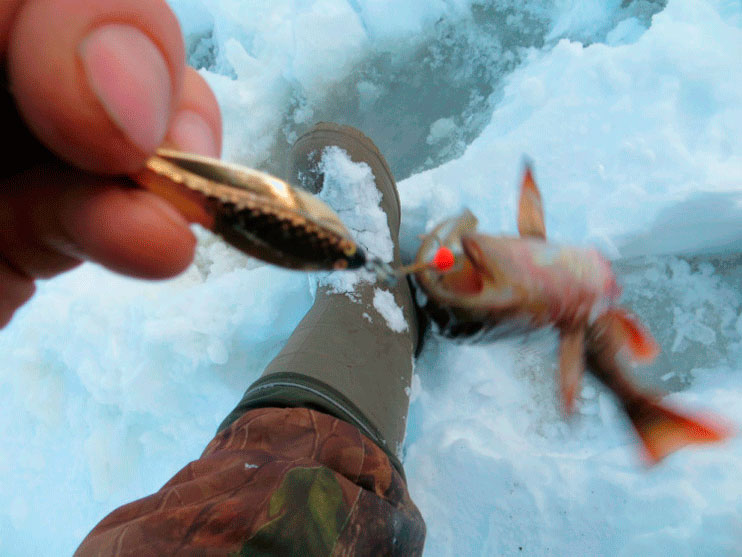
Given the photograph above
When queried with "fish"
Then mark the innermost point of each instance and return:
(501, 286)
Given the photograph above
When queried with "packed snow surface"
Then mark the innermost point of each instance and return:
(631, 112)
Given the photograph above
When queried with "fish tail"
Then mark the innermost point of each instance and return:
(664, 431)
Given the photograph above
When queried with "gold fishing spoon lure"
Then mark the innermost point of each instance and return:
(255, 212)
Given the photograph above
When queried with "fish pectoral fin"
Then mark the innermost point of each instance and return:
(664, 431)
(530, 208)
(636, 337)
(571, 365)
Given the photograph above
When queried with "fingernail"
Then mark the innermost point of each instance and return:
(130, 78)
(190, 132)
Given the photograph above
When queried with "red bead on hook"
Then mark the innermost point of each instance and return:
(443, 259)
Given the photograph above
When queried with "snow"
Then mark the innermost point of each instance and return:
(389, 310)
(349, 188)
(631, 112)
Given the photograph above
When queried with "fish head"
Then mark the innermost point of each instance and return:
(476, 273)
(464, 279)
(475, 295)
(488, 256)
(467, 278)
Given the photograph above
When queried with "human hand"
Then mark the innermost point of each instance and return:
(98, 85)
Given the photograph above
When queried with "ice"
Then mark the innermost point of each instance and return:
(362, 62)
(651, 124)
(692, 304)
(587, 392)
(440, 129)
(631, 112)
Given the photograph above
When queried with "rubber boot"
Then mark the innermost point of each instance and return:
(337, 361)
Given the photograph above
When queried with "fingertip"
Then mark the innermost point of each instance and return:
(197, 124)
(130, 79)
(97, 82)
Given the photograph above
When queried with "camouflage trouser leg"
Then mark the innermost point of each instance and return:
(279, 482)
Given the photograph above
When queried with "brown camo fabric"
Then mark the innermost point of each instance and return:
(277, 482)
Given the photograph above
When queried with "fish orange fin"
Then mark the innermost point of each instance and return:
(530, 209)
(637, 338)
(664, 431)
(571, 365)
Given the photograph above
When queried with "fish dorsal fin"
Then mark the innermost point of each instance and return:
(571, 365)
(530, 210)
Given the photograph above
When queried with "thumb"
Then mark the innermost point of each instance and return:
(97, 82)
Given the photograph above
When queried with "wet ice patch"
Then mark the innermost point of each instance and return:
(440, 129)
(350, 189)
(386, 305)
(277, 67)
